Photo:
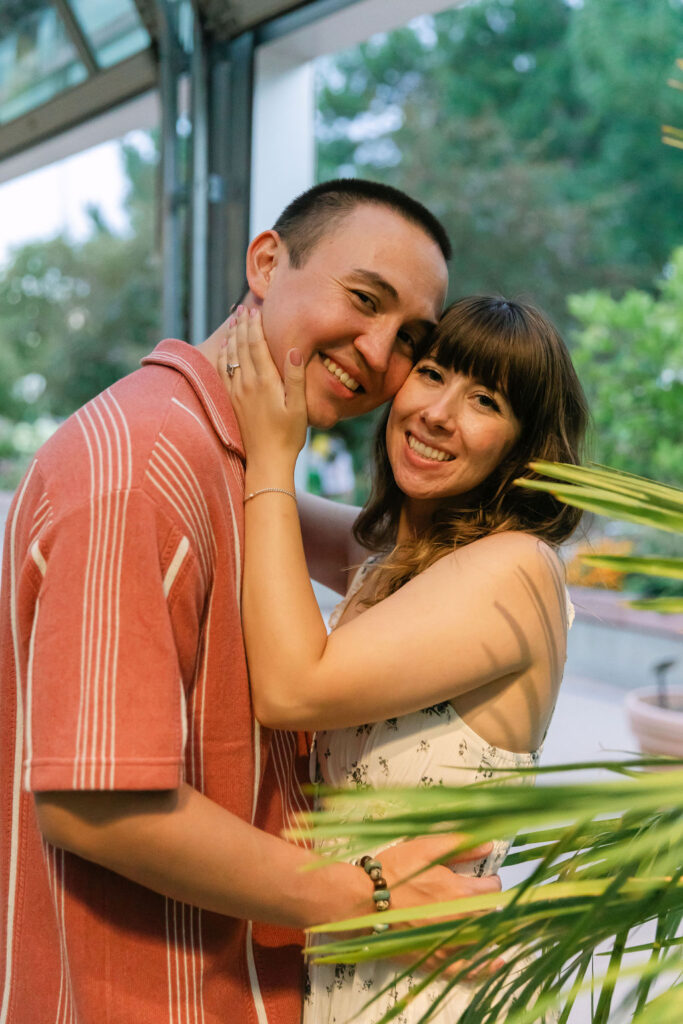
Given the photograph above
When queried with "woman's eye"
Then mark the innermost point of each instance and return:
(489, 402)
(429, 372)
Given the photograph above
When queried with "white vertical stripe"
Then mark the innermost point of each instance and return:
(18, 755)
(183, 911)
(127, 484)
(176, 562)
(40, 515)
(159, 476)
(37, 556)
(175, 949)
(205, 665)
(300, 798)
(259, 1005)
(91, 603)
(48, 854)
(288, 743)
(80, 728)
(55, 865)
(257, 768)
(104, 624)
(184, 470)
(193, 964)
(28, 753)
(281, 775)
(94, 619)
(168, 963)
(69, 999)
(201, 964)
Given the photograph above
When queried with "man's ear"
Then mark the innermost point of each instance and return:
(263, 256)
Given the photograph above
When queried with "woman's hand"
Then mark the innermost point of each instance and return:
(271, 412)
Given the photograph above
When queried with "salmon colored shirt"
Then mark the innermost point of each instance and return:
(123, 667)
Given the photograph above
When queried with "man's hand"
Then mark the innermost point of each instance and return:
(439, 884)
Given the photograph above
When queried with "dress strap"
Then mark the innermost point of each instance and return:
(356, 583)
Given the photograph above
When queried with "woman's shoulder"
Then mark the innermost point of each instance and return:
(511, 552)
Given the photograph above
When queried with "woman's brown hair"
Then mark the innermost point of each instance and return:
(512, 348)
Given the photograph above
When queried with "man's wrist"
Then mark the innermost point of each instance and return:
(339, 892)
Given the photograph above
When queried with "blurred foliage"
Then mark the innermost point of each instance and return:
(581, 574)
(532, 130)
(629, 355)
(74, 317)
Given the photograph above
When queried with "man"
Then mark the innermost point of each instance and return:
(143, 804)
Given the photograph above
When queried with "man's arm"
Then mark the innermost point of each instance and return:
(183, 845)
(330, 547)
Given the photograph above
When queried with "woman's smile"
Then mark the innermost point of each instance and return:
(426, 450)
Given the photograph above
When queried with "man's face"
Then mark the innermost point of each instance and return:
(368, 291)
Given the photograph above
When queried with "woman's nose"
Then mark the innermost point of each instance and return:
(440, 415)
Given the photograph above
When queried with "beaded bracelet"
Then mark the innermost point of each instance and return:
(381, 895)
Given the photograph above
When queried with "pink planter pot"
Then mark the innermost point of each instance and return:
(658, 730)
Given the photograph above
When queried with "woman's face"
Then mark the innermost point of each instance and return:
(447, 432)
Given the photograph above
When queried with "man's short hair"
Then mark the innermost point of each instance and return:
(314, 213)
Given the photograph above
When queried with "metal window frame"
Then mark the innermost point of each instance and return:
(216, 193)
(205, 189)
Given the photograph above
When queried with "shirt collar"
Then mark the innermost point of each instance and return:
(207, 385)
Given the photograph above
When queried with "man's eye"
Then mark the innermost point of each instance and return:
(406, 339)
(365, 299)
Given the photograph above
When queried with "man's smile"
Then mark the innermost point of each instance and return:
(341, 374)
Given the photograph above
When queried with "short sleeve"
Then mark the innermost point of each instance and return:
(105, 703)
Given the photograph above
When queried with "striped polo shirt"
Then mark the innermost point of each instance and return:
(123, 667)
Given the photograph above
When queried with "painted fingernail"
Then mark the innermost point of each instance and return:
(232, 321)
(253, 313)
(240, 310)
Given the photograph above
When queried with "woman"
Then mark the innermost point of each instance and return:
(452, 637)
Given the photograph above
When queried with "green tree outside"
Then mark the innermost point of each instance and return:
(74, 318)
(628, 352)
(532, 129)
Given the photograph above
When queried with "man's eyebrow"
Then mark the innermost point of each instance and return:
(372, 277)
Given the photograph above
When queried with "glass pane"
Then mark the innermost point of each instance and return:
(113, 28)
(37, 58)
(77, 266)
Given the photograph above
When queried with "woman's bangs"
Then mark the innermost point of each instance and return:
(487, 359)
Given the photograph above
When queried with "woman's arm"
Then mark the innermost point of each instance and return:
(490, 610)
(330, 547)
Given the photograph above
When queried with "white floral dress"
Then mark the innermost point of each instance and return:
(427, 748)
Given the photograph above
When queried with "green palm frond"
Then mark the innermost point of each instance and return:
(633, 499)
(610, 492)
(672, 568)
(606, 859)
